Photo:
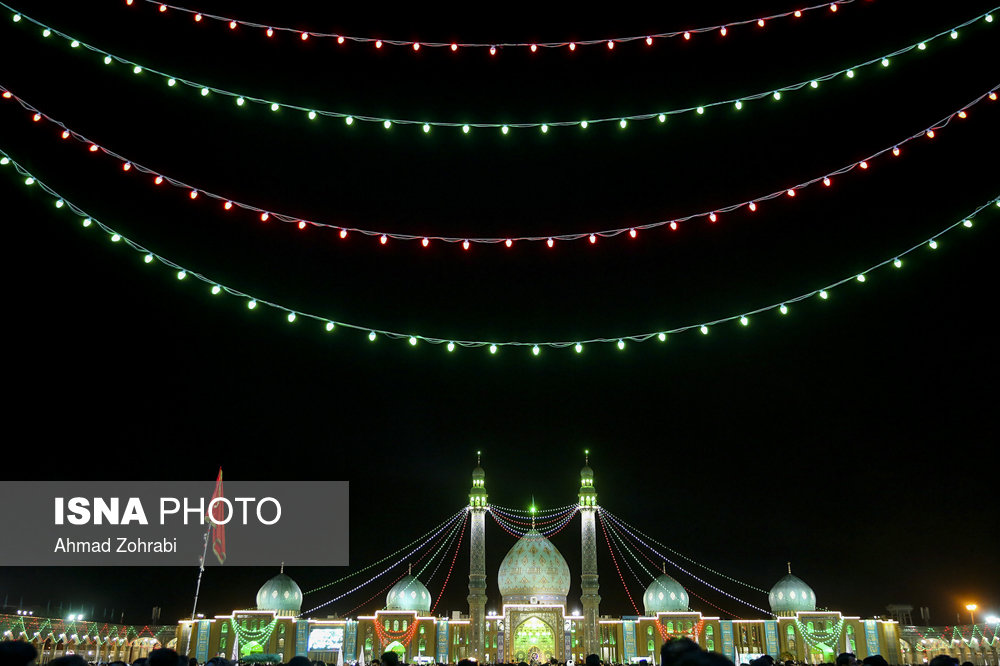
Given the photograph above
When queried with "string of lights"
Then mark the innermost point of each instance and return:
(542, 517)
(697, 578)
(195, 194)
(451, 567)
(442, 550)
(425, 538)
(618, 520)
(518, 532)
(522, 525)
(540, 513)
(611, 551)
(272, 31)
(241, 100)
(653, 576)
(330, 325)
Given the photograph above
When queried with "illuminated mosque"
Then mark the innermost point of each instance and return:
(535, 621)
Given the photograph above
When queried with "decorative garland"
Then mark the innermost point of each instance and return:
(431, 534)
(517, 532)
(458, 548)
(31, 626)
(129, 166)
(464, 511)
(667, 635)
(821, 638)
(624, 545)
(241, 100)
(330, 325)
(384, 638)
(674, 564)
(259, 636)
(415, 46)
(619, 521)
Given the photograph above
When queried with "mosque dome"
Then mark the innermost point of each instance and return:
(790, 595)
(533, 571)
(587, 473)
(281, 593)
(664, 594)
(408, 594)
(478, 473)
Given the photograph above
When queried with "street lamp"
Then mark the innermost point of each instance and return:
(972, 611)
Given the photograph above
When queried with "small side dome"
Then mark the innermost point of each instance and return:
(408, 594)
(791, 595)
(281, 593)
(664, 595)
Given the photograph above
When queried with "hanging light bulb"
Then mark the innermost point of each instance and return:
(465, 245)
(632, 233)
(704, 329)
(181, 275)
(371, 336)
(621, 344)
(535, 350)
(827, 181)
(783, 309)
(744, 320)
(578, 347)
(493, 349)
(593, 239)
(216, 289)
(451, 346)
(148, 258)
(413, 341)
(330, 326)
(383, 239)
(454, 47)
(662, 337)
(861, 277)
(824, 295)
(933, 244)
(898, 263)
(264, 217)
(343, 233)
(550, 242)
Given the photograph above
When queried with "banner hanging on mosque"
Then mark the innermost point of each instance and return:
(568, 638)
(728, 646)
(351, 640)
(771, 637)
(499, 647)
(442, 642)
(201, 645)
(628, 634)
(301, 639)
(871, 637)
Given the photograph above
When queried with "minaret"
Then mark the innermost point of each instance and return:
(477, 563)
(588, 584)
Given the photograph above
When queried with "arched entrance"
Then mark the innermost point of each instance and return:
(398, 648)
(533, 641)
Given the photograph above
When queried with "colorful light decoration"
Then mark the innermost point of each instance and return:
(198, 17)
(384, 236)
(313, 113)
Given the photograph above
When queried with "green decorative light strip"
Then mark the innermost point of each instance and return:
(292, 315)
(259, 636)
(241, 100)
(821, 638)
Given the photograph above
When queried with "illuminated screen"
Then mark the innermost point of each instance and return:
(331, 638)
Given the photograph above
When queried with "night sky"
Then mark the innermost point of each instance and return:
(850, 436)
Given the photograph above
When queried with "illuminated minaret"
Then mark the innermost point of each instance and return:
(588, 584)
(477, 562)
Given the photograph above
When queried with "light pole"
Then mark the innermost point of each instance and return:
(972, 612)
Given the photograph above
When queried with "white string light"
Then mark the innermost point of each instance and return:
(312, 113)
(697, 578)
(493, 346)
(712, 216)
(682, 555)
(433, 532)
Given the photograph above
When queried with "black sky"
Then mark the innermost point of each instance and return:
(850, 437)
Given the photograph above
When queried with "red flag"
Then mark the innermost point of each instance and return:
(218, 512)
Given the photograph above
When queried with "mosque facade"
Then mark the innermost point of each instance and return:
(534, 622)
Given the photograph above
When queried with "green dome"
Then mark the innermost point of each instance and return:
(665, 594)
(587, 473)
(533, 572)
(281, 593)
(790, 595)
(408, 594)
(478, 473)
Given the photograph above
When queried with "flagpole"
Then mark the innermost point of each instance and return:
(197, 588)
